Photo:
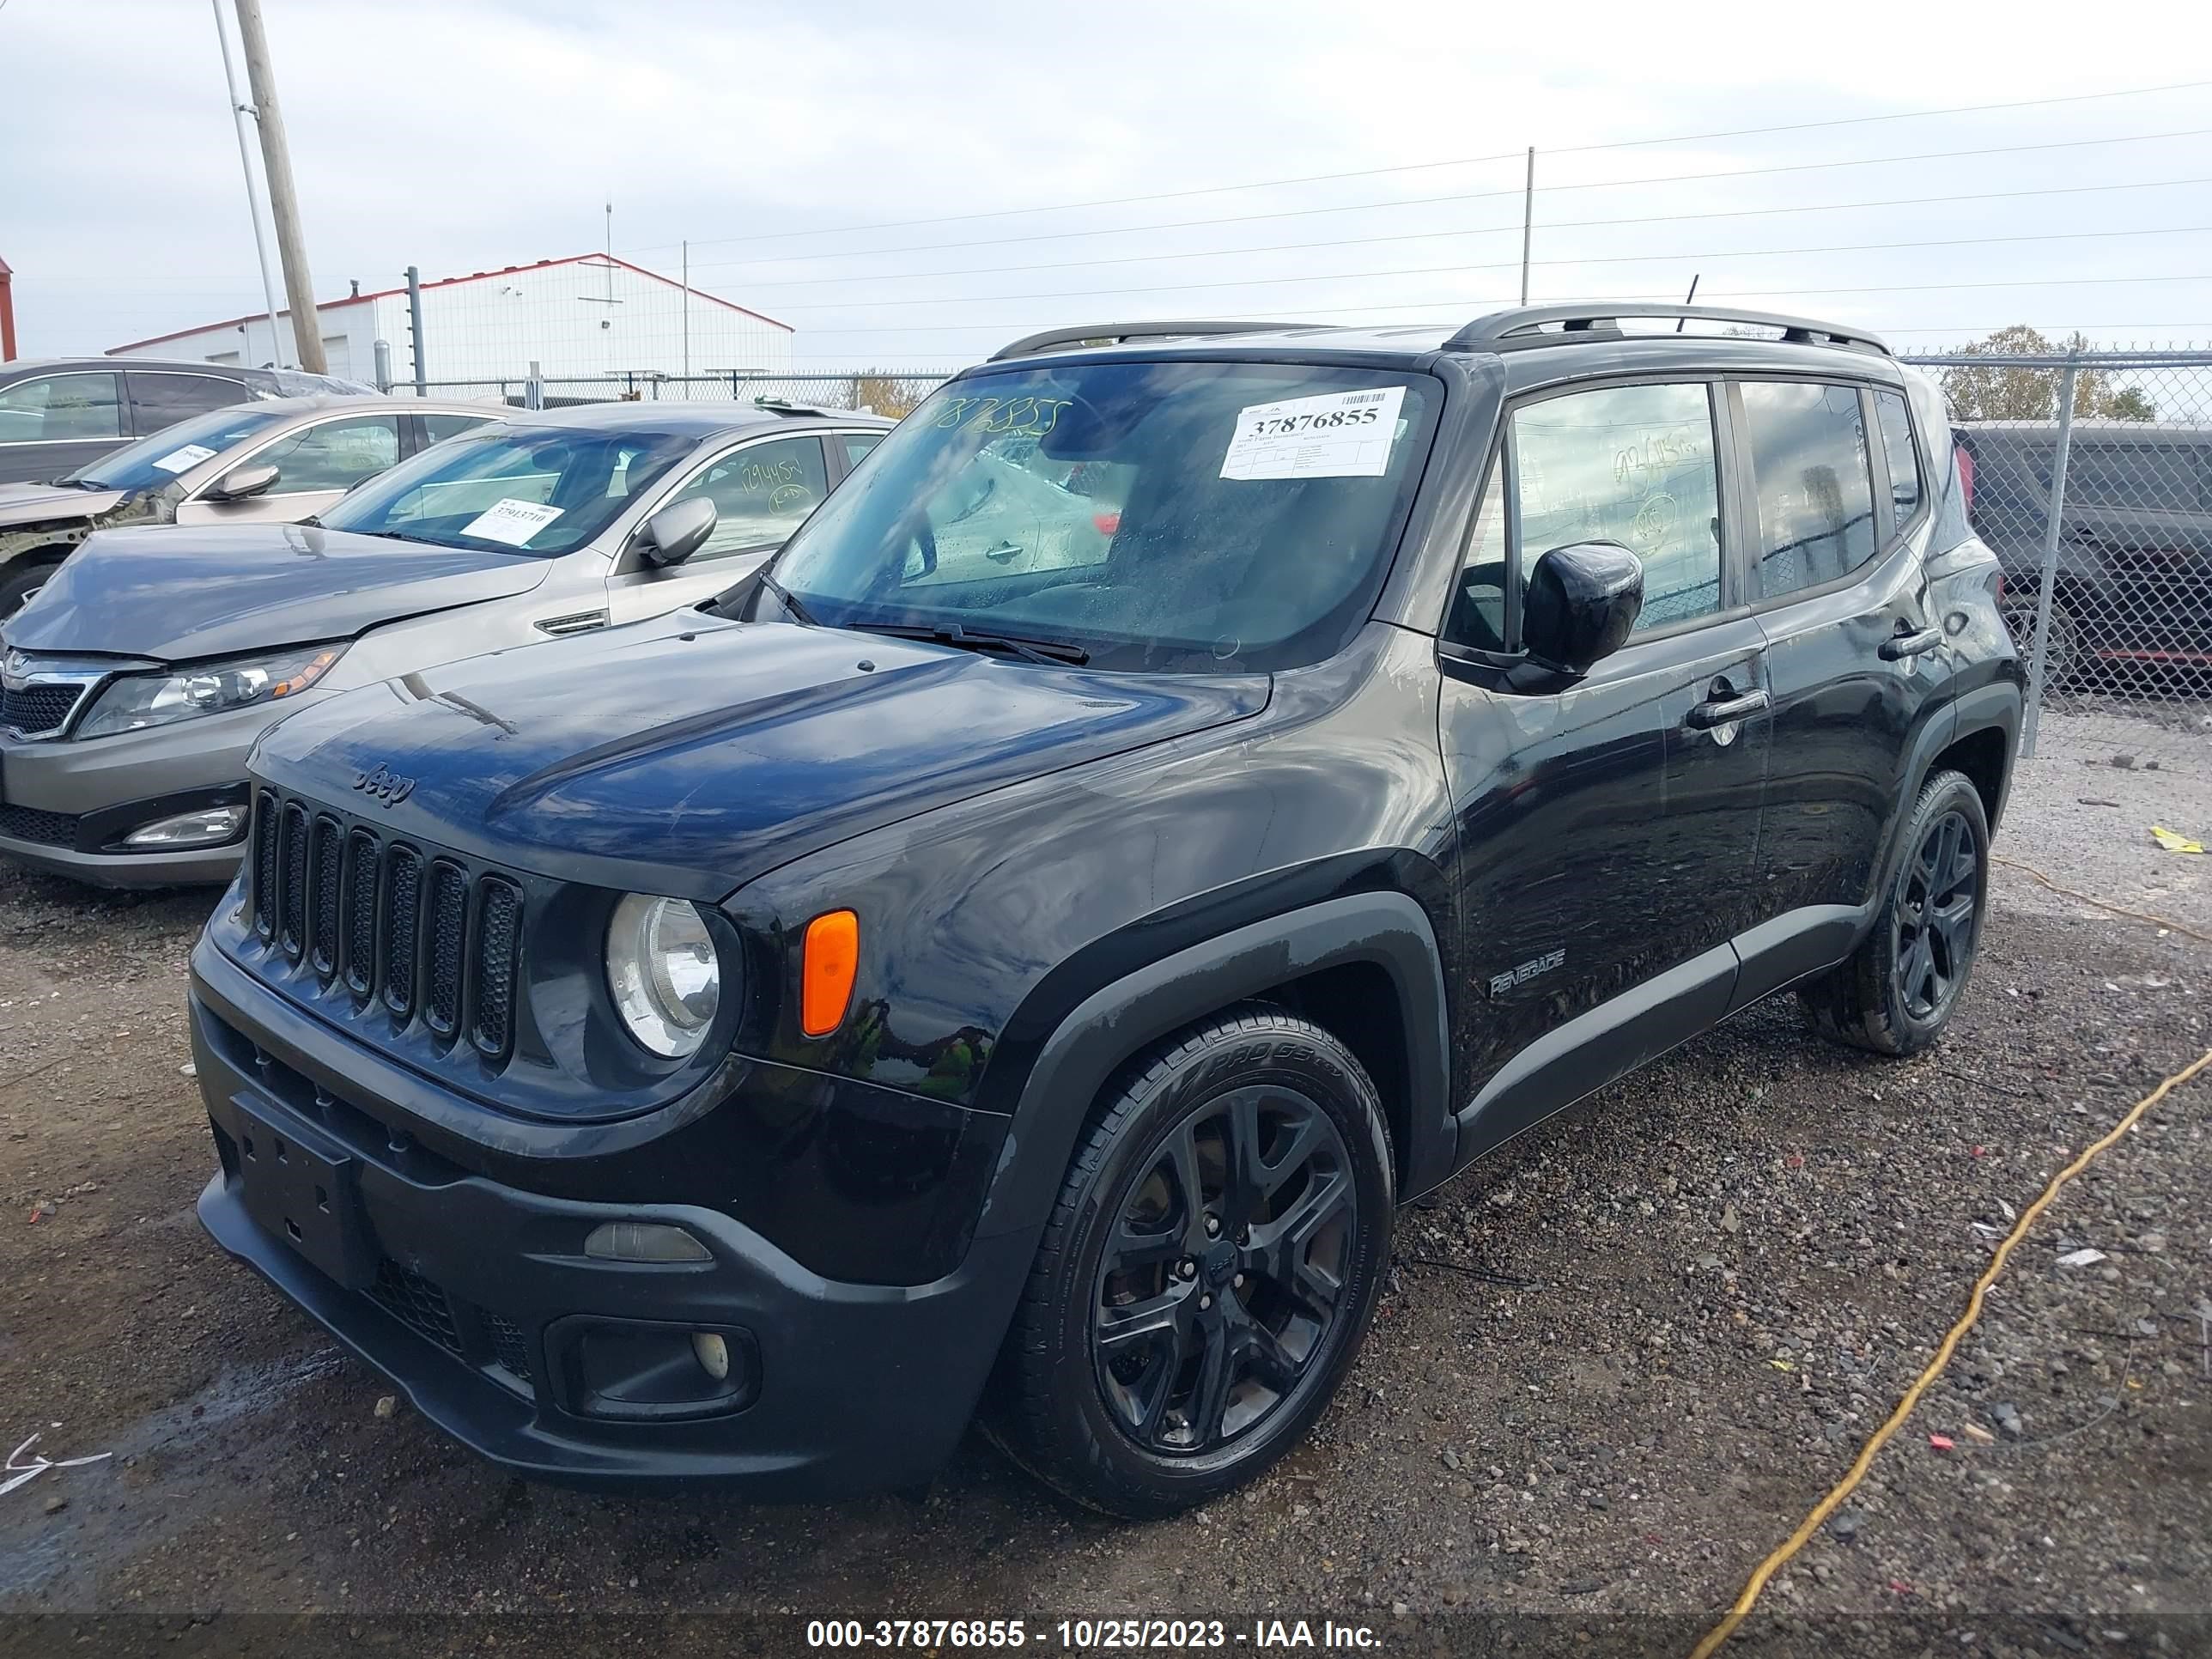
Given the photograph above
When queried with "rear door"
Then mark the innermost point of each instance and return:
(762, 489)
(54, 423)
(1608, 827)
(162, 397)
(1835, 482)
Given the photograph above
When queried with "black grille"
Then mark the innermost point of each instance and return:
(37, 708)
(508, 1345)
(449, 930)
(416, 1302)
(403, 910)
(292, 902)
(265, 812)
(417, 930)
(326, 847)
(46, 828)
(499, 934)
(360, 924)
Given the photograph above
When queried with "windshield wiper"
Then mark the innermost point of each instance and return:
(1052, 652)
(788, 600)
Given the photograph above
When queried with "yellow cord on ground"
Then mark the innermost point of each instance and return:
(1843, 1488)
(2102, 904)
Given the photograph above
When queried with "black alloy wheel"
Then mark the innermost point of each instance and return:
(1225, 1271)
(1935, 916)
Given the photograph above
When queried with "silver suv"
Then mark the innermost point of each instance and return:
(134, 683)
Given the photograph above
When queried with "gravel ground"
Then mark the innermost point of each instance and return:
(1618, 1363)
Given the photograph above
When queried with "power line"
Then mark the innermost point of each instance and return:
(1479, 230)
(1420, 167)
(1462, 304)
(1469, 195)
(1499, 264)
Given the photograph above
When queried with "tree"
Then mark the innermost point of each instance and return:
(2012, 393)
(894, 395)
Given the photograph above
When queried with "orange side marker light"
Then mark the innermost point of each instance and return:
(832, 956)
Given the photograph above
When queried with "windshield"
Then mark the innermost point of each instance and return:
(512, 489)
(1175, 516)
(152, 462)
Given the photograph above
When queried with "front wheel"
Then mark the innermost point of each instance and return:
(18, 583)
(1899, 990)
(1208, 1272)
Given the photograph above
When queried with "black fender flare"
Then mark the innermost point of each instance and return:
(1388, 929)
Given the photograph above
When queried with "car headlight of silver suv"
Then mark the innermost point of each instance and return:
(665, 973)
(134, 702)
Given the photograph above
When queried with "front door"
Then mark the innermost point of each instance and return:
(1608, 829)
(762, 490)
(315, 466)
(51, 424)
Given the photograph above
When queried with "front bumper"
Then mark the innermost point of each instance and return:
(476, 1296)
(66, 805)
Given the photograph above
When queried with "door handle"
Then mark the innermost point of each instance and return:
(1908, 644)
(1725, 711)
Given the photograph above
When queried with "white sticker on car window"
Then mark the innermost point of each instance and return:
(185, 459)
(511, 522)
(1340, 434)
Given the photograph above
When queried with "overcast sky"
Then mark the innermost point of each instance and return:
(470, 134)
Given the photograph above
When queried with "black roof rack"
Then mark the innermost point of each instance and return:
(1115, 333)
(1523, 326)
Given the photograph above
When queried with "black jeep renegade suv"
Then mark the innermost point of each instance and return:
(1193, 789)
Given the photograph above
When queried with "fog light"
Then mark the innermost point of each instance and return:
(209, 826)
(713, 1354)
(643, 1241)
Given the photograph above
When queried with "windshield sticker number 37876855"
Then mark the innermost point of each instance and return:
(1339, 434)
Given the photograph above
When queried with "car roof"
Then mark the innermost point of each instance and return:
(2097, 426)
(1540, 343)
(23, 366)
(374, 405)
(699, 420)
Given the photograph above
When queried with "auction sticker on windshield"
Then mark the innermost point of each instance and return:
(1339, 435)
(185, 459)
(511, 522)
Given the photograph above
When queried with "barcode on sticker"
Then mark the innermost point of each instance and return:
(1358, 398)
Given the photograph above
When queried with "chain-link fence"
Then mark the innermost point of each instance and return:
(875, 391)
(2090, 474)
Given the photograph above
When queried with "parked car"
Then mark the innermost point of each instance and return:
(2132, 587)
(283, 459)
(135, 683)
(58, 413)
(738, 1045)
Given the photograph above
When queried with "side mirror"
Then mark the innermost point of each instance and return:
(1582, 601)
(676, 531)
(241, 483)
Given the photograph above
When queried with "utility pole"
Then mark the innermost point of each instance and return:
(687, 311)
(283, 205)
(238, 113)
(1527, 221)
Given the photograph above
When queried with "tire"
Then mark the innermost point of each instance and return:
(19, 581)
(2061, 643)
(1205, 1345)
(1898, 991)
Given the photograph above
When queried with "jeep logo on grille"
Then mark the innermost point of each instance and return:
(381, 783)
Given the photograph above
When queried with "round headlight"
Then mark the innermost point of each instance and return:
(664, 973)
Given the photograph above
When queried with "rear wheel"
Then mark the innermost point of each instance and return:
(2061, 644)
(1208, 1272)
(1897, 993)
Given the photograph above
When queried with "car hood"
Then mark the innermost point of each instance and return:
(689, 754)
(38, 503)
(180, 593)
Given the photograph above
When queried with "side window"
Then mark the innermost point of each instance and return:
(337, 455)
(1478, 608)
(438, 427)
(1906, 487)
(760, 493)
(159, 400)
(1631, 464)
(57, 408)
(1808, 464)
(857, 444)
